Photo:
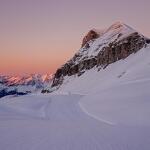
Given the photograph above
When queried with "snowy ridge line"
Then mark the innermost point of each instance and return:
(97, 118)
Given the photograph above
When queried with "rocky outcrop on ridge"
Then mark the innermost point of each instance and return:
(90, 36)
(99, 50)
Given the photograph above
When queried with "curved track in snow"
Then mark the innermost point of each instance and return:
(56, 122)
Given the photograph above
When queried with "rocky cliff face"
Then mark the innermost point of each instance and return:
(101, 49)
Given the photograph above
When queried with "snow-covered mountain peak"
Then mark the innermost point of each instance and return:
(101, 48)
(119, 28)
(46, 77)
(96, 40)
(118, 25)
(115, 27)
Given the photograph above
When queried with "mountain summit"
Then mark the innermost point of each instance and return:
(116, 28)
(101, 48)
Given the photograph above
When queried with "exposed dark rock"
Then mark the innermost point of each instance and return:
(45, 91)
(148, 41)
(4, 92)
(90, 36)
(109, 54)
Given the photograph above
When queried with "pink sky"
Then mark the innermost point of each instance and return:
(37, 36)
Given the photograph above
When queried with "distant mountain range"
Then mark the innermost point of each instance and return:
(10, 85)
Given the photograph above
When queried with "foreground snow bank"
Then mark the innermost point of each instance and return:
(56, 122)
(126, 104)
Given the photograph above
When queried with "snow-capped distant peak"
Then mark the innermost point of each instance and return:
(32, 79)
(46, 77)
(11, 85)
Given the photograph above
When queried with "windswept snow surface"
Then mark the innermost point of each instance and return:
(56, 122)
(100, 110)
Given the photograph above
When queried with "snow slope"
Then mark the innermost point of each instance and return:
(134, 67)
(56, 122)
(119, 93)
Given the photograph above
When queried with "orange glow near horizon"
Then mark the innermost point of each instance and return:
(19, 63)
(38, 36)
